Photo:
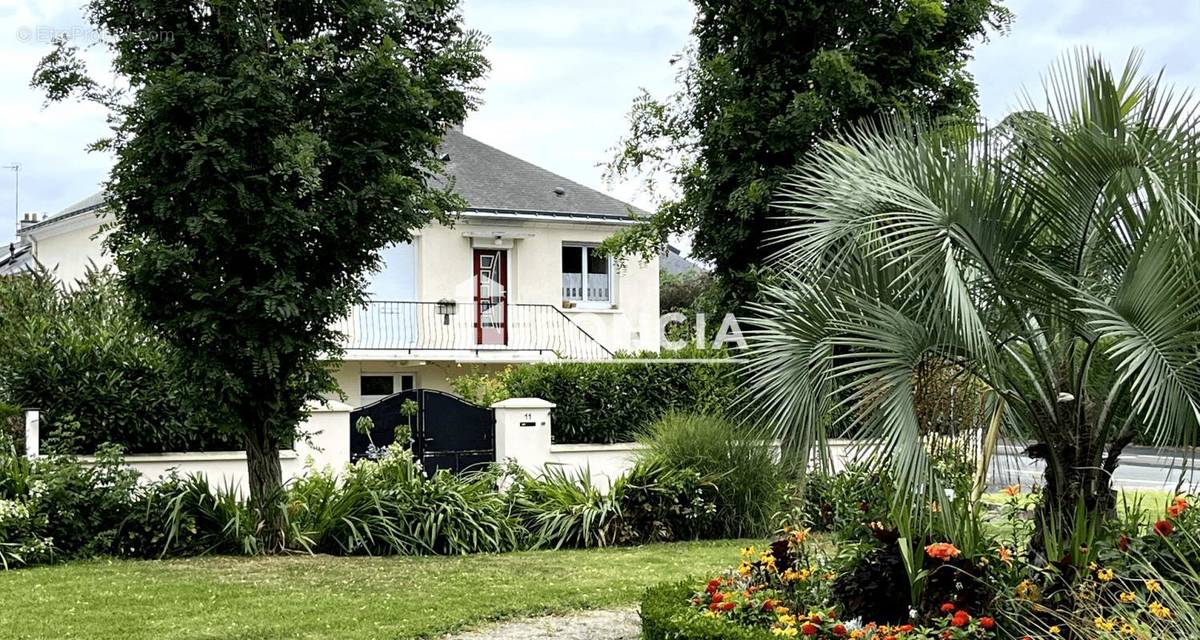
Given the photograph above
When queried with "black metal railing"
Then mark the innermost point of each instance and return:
(443, 326)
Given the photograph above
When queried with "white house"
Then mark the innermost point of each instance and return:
(514, 280)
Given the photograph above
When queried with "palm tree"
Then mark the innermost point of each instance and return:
(1054, 260)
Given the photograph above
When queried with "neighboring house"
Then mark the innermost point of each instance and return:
(516, 279)
(672, 262)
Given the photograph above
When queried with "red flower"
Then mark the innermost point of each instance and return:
(809, 629)
(717, 597)
(1123, 543)
(986, 622)
(1164, 528)
(712, 586)
(904, 628)
(816, 619)
(838, 630)
(961, 619)
(728, 606)
(943, 551)
(768, 605)
(948, 607)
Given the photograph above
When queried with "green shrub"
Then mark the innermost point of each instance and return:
(845, 502)
(740, 463)
(561, 509)
(98, 375)
(608, 401)
(81, 507)
(665, 504)
(666, 615)
(390, 507)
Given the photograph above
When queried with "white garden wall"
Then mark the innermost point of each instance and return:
(327, 444)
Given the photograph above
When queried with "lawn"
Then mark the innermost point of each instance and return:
(332, 597)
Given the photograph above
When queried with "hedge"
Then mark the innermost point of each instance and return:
(80, 354)
(666, 615)
(611, 401)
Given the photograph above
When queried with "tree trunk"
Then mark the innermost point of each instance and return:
(266, 481)
(1085, 478)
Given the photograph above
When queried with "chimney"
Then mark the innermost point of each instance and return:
(28, 219)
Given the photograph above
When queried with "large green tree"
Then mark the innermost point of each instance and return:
(265, 151)
(1053, 262)
(761, 82)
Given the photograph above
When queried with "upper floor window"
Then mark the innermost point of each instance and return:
(586, 276)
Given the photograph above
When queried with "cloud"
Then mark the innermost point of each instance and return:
(563, 77)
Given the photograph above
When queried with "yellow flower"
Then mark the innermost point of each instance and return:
(748, 553)
(1159, 611)
(788, 632)
(1027, 590)
(744, 569)
(1055, 630)
(781, 610)
(1128, 629)
(1127, 597)
(1106, 575)
(1105, 625)
(1152, 586)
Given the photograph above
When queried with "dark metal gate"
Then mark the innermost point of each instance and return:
(447, 431)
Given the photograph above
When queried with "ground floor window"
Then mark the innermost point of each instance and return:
(377, 386)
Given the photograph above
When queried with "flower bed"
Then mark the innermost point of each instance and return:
(971, 576)
(785, 591)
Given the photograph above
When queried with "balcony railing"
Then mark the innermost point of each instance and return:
(426, 326)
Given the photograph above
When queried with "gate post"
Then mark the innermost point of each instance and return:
(33, 426)
(523, 432)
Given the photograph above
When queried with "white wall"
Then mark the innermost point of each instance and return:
(327, 446)
(69, 247)
(445, 270)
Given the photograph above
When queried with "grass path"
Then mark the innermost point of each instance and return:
(332, 597)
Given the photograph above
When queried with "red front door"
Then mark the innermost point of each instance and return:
(491, 296)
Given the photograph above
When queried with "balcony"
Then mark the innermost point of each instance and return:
(453, 330)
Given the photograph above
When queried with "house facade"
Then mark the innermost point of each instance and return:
(515, 279)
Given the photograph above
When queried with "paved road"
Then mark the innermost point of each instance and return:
(1141, 468)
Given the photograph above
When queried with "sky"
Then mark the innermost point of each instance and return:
(563, 75)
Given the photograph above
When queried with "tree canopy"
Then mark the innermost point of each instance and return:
(761, 82)
(265, 151)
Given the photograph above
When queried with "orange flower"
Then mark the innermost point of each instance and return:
(986, 622)
(838, 630)
(809, 629)
(1177, 508)
(961, 619)
(1005, 556)
(1012, 490)
(943, 551)
(1164, 528)
(948, 607)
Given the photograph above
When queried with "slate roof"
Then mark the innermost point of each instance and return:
(491, 181)
(672, 261)
(15, 258)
